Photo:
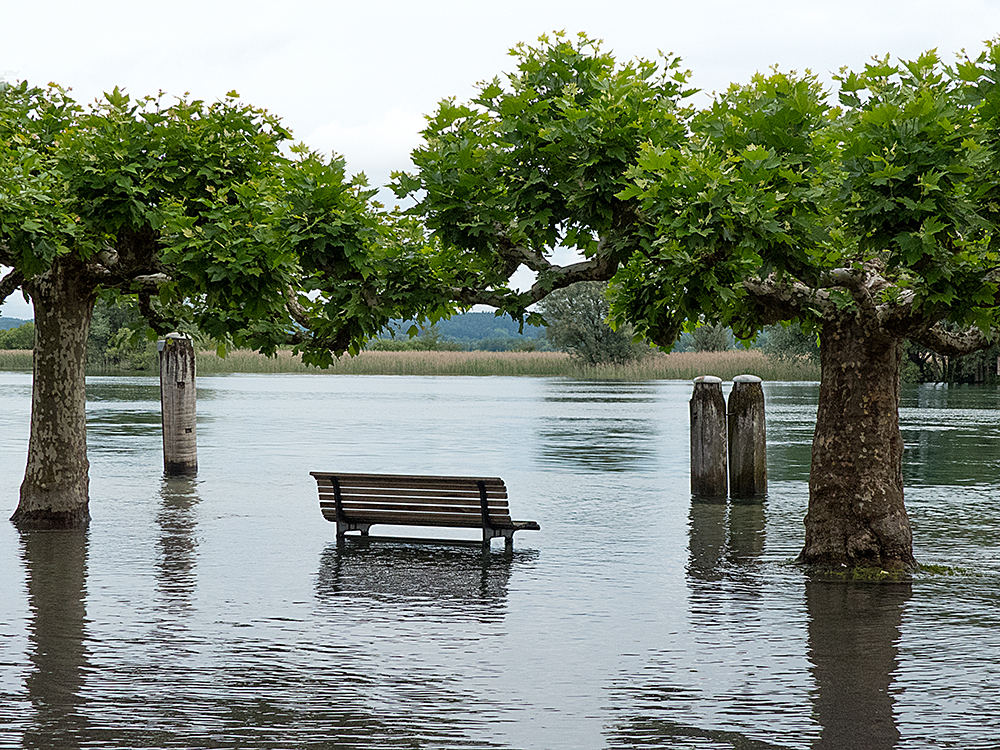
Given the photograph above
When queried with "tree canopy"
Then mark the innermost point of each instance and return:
(536, 162)
(782, 205)
(195, 209)
(868, 215)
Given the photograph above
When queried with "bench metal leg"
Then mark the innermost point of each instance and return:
(507, 534)
(344, 526)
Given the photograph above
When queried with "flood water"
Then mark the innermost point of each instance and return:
(220, 613)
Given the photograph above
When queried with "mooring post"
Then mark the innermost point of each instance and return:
(747, 438)
(178, 405)
(708, 438)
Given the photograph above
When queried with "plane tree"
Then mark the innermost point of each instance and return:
(192, 210)
(867, 215)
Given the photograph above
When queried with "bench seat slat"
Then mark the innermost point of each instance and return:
(420, 519)
(433, 519)
(445, 502)
(466, 495)
(405, 480)
(349, 506)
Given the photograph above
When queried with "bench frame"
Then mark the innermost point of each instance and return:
(356, 502)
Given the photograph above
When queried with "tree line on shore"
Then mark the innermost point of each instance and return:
(577, 320)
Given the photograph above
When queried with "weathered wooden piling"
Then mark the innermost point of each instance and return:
(178, 405)
(747, 439)
(708, 438)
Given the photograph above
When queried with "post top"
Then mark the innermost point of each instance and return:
(747, 379)
(161, 344)
(707, 380)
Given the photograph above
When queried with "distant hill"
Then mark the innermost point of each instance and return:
(475, 331)
(476, 326)
(6, 323)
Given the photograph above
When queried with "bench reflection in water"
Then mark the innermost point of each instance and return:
(461, 580)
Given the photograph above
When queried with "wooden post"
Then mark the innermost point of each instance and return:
(178, 404)
(747, 439)
(708, 438)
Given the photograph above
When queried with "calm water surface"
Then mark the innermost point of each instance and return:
(219, 613)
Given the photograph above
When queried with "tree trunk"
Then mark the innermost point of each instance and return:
(856, 514)
(54, 493)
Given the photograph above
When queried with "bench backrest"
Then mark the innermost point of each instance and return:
(403, 499)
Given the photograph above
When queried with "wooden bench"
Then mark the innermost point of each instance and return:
(355, 502)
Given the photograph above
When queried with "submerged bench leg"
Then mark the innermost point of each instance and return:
(344, 526)
(507, 534)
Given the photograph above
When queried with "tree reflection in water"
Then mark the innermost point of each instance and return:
(854, 629)
(56, 566)
(737, 691)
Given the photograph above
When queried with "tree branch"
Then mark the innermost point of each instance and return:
(781, 300)
(157, 320)
(955, 343)
(10, 283)
(551, 277)
(297, 312)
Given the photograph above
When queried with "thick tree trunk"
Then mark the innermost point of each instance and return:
(54, 493)
(856, 515)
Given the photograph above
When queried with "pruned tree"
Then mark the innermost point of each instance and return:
(191, 210)
(871, 221)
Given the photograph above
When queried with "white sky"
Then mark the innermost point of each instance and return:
(358, 77)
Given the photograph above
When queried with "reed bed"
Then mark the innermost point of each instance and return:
(15, 359)
(676, 366)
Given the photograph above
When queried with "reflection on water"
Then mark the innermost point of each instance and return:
(55, 564)
(951, 435)
(734, 664)
(463, 581)
(854, 631)
(178, 543)
(220, 613)
(595, 425)
(726, 538)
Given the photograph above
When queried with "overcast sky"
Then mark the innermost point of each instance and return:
(358, 77)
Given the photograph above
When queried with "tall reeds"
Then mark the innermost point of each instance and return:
(16, 359)
(677, 366)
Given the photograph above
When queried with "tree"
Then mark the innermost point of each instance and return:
(22, 337)
(577, 318)
(190, 210)
(789, 342)
(872, 222)
(117, 336)
(711, 338)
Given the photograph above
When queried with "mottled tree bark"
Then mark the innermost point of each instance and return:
(54, 493)
(856, 515)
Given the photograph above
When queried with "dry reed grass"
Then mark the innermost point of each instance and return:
(676, 366)
(15, 359)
